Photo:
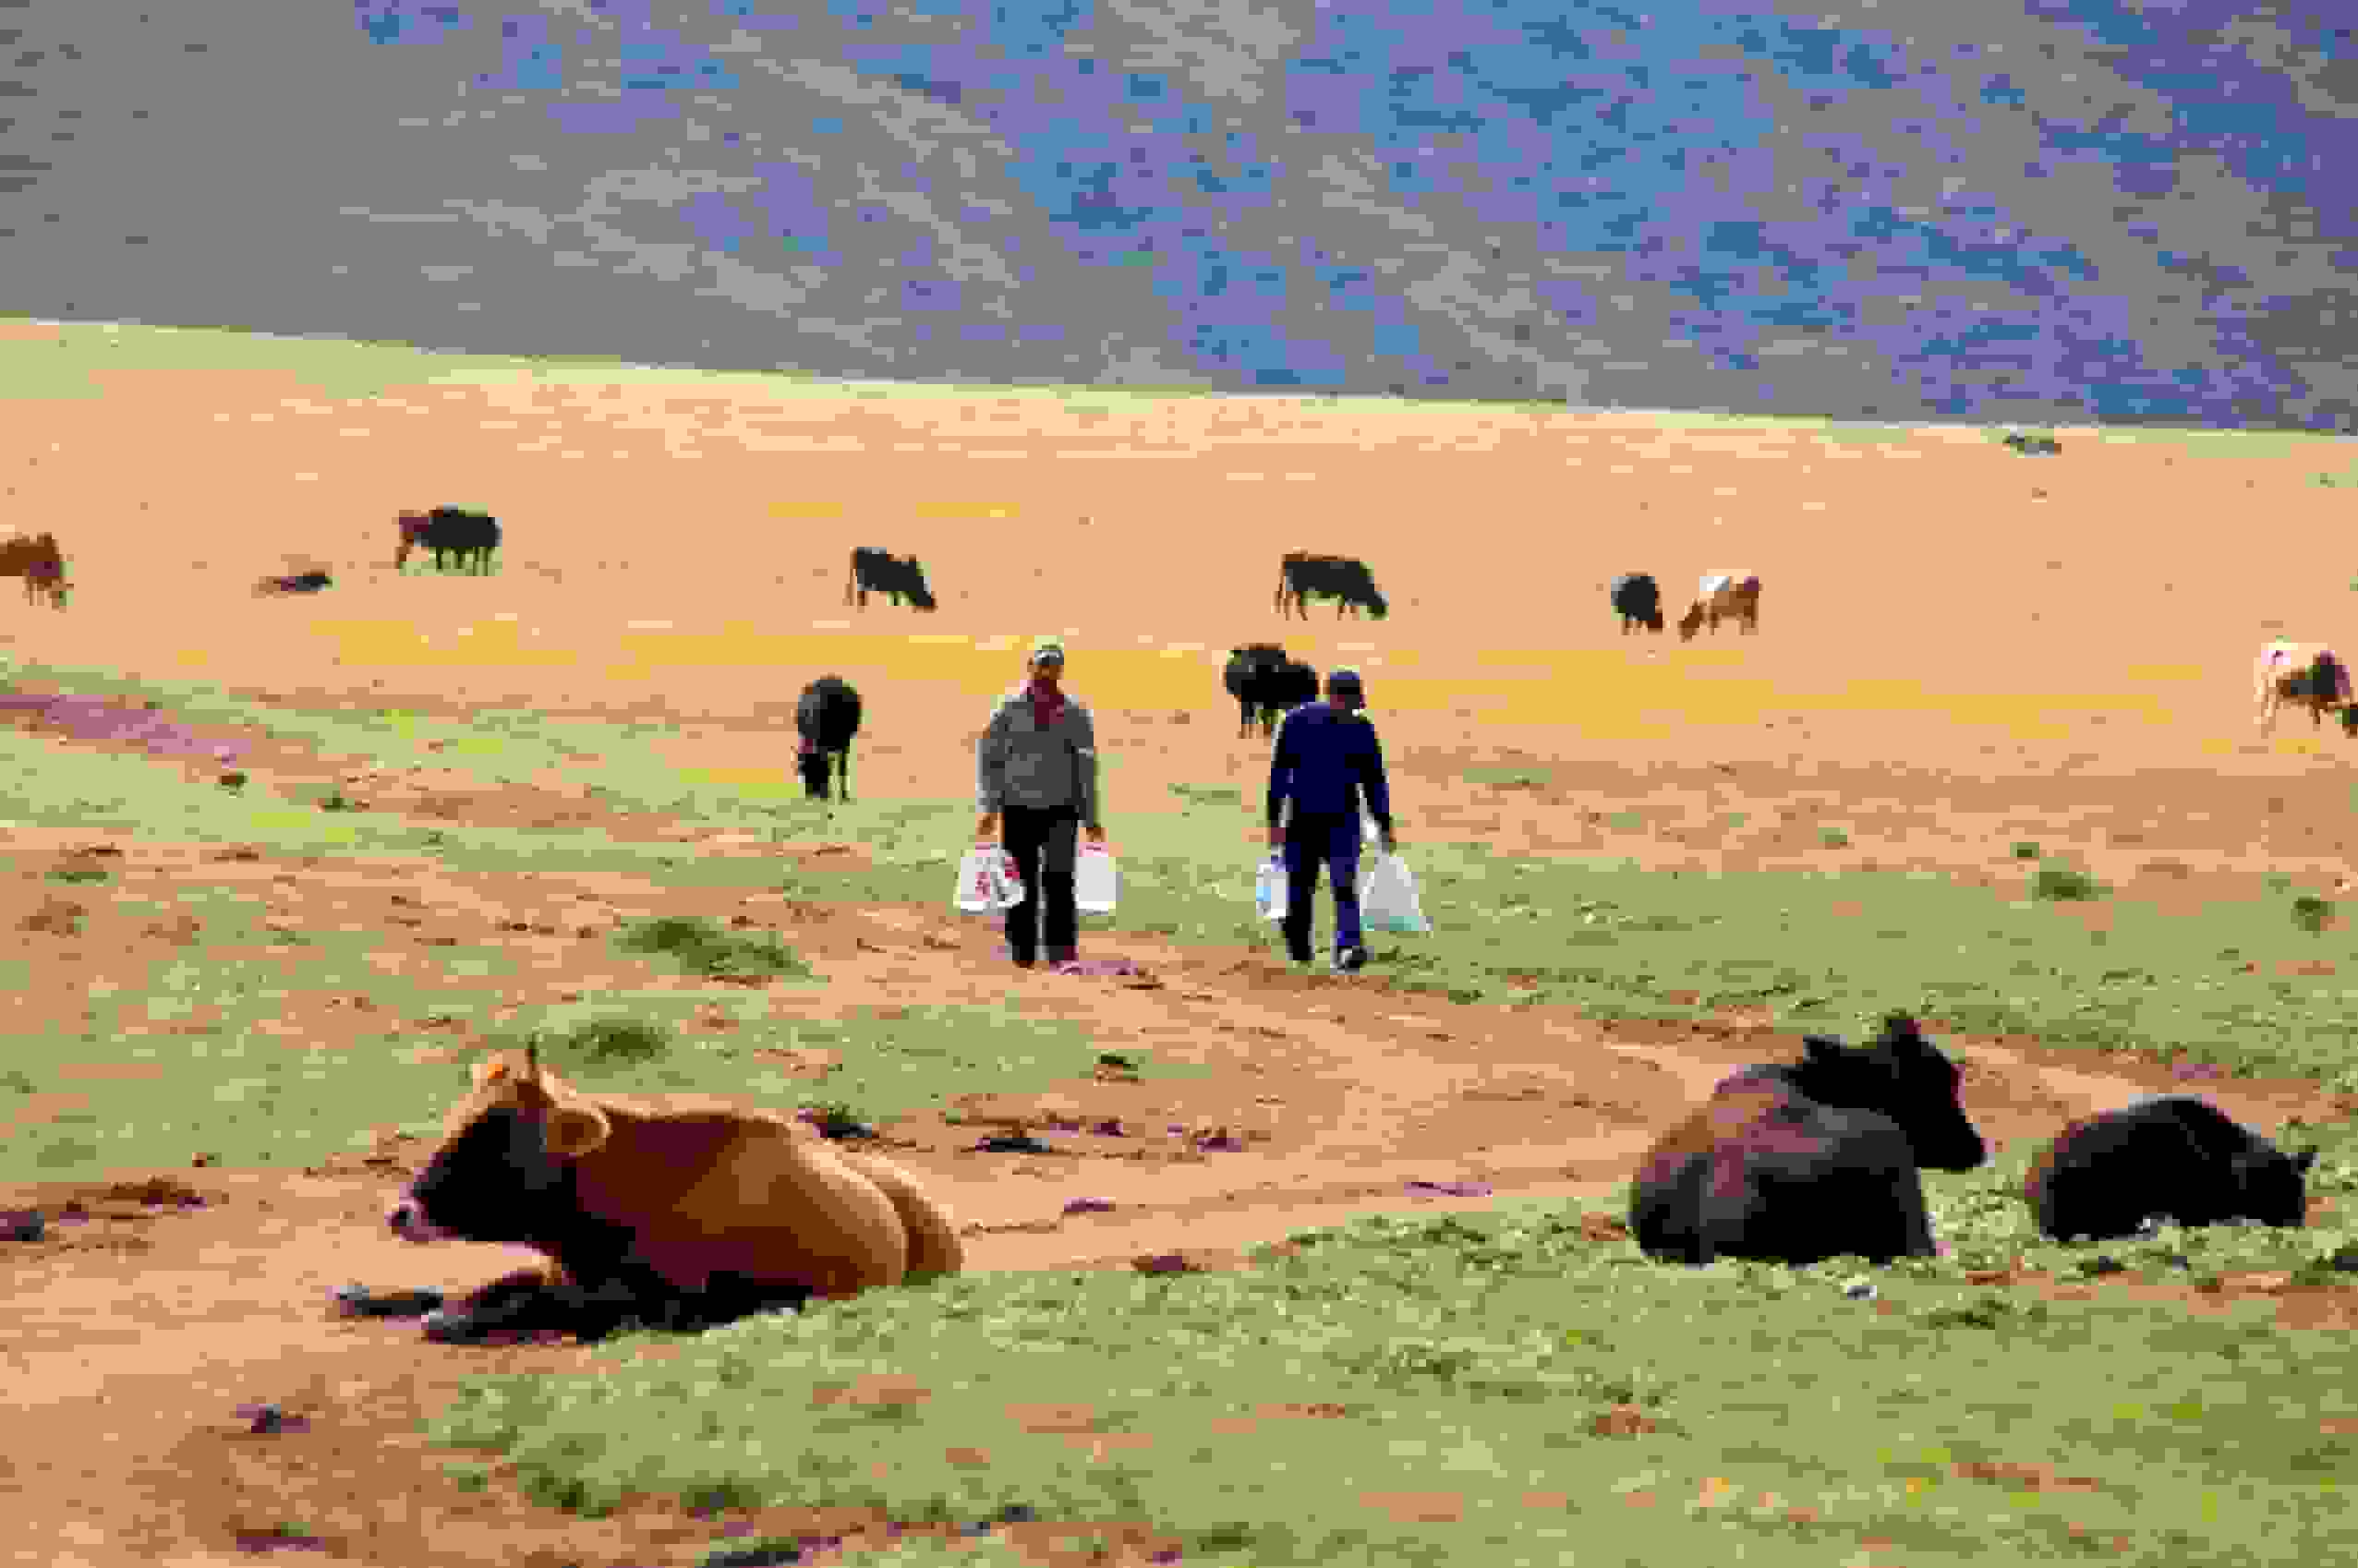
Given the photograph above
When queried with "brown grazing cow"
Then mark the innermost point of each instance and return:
(38, 561)
(1726, 596)
(675, 1213)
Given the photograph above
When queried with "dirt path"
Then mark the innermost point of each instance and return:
(140, 1333)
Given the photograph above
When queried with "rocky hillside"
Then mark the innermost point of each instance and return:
(2038, 210)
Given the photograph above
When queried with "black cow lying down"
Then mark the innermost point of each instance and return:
(2169, 1157)
(1798, 1161)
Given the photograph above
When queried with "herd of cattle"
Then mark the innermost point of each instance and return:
(453, 534)
(683, 1215)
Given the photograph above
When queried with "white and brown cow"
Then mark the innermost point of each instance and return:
(2308, 674)
(1726, 595)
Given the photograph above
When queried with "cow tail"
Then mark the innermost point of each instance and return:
(934, 1246)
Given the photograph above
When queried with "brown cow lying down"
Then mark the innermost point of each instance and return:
(674, 1216)
(1726, 596)
(1797, 1162)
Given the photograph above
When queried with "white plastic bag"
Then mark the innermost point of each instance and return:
(1388, 898)
(988, 882)
(1269, 889)
(1097, 881)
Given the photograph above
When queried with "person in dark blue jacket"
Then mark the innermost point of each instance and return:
(1327, 759)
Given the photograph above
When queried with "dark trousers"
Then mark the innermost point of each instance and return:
(1043, 840)
(1313, 843)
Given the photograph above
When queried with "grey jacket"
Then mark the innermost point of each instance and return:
(1017, 763)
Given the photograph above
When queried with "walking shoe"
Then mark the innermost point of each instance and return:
(1349, 960)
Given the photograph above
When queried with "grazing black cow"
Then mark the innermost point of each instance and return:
(1266, 685)
(1638, 598)
(877, 572)
(2170, 1157)
(450, 531)
(300, 583)
(1295, 684)
(1797, 1162)
(826, 716)
(1249, 670)
(1337, 577)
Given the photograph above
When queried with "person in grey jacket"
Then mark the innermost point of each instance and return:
(1036, 771)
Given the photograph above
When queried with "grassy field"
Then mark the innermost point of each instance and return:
(1605, 935)
(1477, 1378)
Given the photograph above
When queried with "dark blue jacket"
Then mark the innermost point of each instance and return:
(1325, 758)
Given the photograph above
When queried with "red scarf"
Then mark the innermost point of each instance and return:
(1046, 705)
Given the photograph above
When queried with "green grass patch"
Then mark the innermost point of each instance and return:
(2057, 881)
(1534, 778)
(1198, 796)
(889, 1060)
(703, 948)
(224, 1082)
(1484, 1368)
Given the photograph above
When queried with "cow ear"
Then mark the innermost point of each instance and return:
(1823, 1049)
(572, 1131)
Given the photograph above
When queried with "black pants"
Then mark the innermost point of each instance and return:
(1332, 844)
(1043, 840)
